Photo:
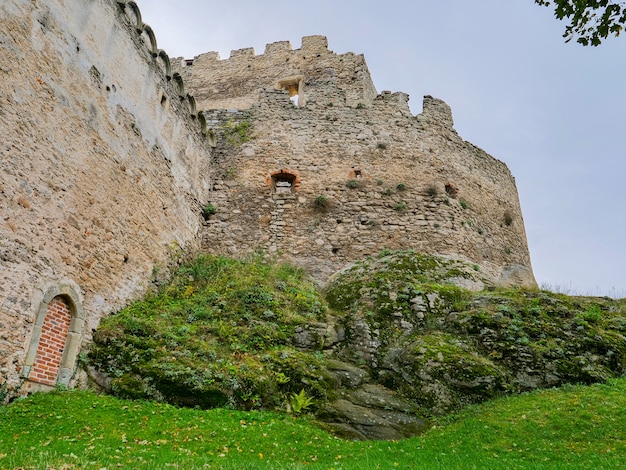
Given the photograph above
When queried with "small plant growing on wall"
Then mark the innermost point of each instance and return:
(381, 146)
(353, 184)
(236, 133)
(208, 211)
(321, 203)
(401, 206)
(432, 190)
(230, 173)
(463, 203)
(386, 192)
(401, 187)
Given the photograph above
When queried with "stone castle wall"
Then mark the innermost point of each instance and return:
(235, 83)
(103, 169)
(389, 179)
(106, 165)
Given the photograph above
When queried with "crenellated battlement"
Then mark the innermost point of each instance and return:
(236, 81)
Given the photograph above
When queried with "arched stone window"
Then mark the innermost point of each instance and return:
(55, 339)
(284, 181)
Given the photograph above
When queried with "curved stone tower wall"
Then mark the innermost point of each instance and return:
(102, 170)
(337, 178)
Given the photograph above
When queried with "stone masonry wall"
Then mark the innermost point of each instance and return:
(369, 177)
(235, 83)
(103, 167)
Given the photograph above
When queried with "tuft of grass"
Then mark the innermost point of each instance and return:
(208, 210)
(432, 190)
(321, 202)
(353, 184)
(508, 218)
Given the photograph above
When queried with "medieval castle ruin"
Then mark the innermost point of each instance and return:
(118, 161)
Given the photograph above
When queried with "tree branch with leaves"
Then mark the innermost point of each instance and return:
(590, 21)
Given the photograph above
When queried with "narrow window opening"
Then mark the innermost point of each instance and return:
(188, 62)
(283, 182)
(294, 85)
(452, 190)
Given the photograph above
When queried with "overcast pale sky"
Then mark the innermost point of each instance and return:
(553, 112)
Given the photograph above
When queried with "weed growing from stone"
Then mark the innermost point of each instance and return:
(208, 211)
(352, 184)
(321, 202)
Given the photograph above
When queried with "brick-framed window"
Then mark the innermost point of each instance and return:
(284, 181)
(55, 339)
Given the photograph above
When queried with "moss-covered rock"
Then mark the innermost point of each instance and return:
(407, 320)
(220, 333)
(253, 334)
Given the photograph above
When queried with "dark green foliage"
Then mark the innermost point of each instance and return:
(590, 21)
(432, 190)
(321, 203)
(219, 334)
(353, 184)
(208, 211)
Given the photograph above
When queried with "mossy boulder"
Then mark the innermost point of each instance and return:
(220, 334)
(407, 320)
(391, 340)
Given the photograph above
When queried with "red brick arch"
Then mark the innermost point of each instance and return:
(52, 343)
(290, 176)
(55, 338)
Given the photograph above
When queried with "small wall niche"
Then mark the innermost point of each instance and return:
(356, 173)
(284, 182)
(295, 86)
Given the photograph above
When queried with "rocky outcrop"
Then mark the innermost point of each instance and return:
(363, 410)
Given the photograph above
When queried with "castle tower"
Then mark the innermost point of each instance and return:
(343, 172)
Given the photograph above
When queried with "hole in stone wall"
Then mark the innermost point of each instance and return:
(283, 182)
(452, 190)
(294, 85)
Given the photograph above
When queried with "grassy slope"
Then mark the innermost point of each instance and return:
(571, 427)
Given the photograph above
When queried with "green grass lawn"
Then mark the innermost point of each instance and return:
(572, 427)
